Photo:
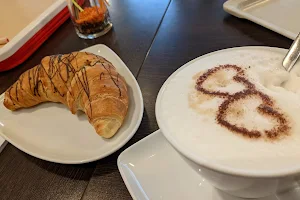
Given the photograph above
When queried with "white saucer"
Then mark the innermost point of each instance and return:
(49, 131)
(266, 14)
(152, 169)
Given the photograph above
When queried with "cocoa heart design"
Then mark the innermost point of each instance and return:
(239, 77)
(266, 109)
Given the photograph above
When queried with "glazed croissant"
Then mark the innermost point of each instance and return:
(81, 81)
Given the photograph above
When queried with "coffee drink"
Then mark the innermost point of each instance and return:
(239, 109)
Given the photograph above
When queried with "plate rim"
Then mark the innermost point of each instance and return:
(111, 151)
(124, 177)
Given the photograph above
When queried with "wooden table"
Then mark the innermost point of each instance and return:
(153, 38)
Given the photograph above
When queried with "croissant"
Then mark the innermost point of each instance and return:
(81, 81)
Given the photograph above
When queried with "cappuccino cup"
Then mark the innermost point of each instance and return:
(233, 116)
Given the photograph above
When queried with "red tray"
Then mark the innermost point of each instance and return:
(25, 42)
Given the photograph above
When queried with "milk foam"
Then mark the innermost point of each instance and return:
(190, 116)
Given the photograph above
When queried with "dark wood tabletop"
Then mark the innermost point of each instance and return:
(153, 38)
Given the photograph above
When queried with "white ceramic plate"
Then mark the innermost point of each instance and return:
(152, 169)
(280, 16)
(49, 131)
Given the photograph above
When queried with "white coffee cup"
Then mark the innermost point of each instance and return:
(240, 184)
(245, 186)
(237, 182)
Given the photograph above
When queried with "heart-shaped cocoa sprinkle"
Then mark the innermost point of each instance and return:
(282, 128)
(266, 108)
(238, 78)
